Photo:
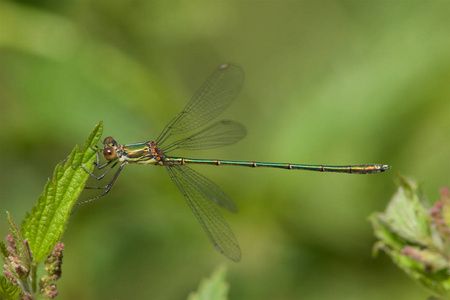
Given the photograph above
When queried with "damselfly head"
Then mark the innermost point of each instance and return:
(109, 150)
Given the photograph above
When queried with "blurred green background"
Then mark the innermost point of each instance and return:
(327, 82)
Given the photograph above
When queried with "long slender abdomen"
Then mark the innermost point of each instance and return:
(350, 169)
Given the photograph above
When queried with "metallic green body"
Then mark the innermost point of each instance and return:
(141, 153)
(358, 169)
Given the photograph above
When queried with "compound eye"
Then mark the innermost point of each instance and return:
(109, 153)
(110, 141)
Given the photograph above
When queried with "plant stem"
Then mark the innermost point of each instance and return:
(33, 278)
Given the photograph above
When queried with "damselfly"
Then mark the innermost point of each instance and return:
(201, 194)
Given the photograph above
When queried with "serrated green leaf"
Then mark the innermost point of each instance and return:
(8, 291)
(213, 288)
(93, 137)
(45, 225)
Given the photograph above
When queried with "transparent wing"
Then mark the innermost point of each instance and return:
(205, 186)
(201, 195)
(213, 97)
(222, 133)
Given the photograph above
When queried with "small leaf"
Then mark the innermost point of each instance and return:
(8, 291)
(407, 215)
(22, 250)
(214, 288)
(45, 225)
(415, 237)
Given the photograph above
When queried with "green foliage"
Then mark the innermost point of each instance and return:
(43, 228)
(415, 237)
(17, 260)
(213, 288)
(21, 246)
(8, 291)
(45, 225)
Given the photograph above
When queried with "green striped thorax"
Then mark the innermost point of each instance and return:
(141, 153)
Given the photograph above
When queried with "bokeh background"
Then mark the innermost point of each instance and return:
(327, 82)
